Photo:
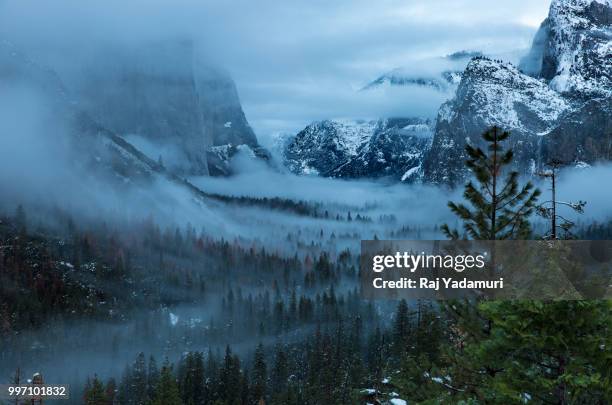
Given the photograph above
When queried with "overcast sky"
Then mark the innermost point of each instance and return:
(294, 61)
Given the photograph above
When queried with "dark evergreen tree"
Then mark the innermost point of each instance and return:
(499, 207)
(139, 380)
(259, 376)
(152, 377)
(211, 380)
(125, 394)
(558, 354)
(95, 393)
(111, 391)
(229, 377)
(280, 371)
(401, 327)
(505, 352)
(191, 378)
(167, 391)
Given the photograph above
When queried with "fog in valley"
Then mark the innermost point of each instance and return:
(130, 243)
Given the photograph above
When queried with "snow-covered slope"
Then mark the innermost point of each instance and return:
(495, 92)
(578, 55)
(557, 105)
(492, 93)
(350, 149)
(560, 111)
(573, 48)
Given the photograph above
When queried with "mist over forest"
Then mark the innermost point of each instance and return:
(184, 188)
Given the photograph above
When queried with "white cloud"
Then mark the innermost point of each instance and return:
(293, 61)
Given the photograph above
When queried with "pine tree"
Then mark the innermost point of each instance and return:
(259, 378)
(111, 391)
(499, 207)
(401, 327)
(191, 377)
(505, 352)
(560, 351)
(211, 381)
(152, 377)
(229, 377)
(167, 392)
(95, 393)
(355, 353)
(125, 394)
(375, 356)
(139, 380)
(280, 371)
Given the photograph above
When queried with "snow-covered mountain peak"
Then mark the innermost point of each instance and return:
(441, 74)
(359, 148)
(495, 91)
(350, 134)
(578, 50)
(443, 82)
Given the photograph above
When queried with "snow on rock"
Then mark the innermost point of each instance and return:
(492, 93)
(411, 172)
(173, 319)
(399, 77)
(499, 93)
(554, 107)
(443, 76)
(351, 149)
(578, 53)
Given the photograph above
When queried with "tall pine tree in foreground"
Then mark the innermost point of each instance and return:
(499, 207)
(515, 352)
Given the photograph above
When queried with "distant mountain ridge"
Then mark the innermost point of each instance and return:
(447, 79)
(96, 152)
(557, 104)
(353, 149)
(561, 111)
(162, 92)
(492, 93)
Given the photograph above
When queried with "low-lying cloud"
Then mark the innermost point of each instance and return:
(293, 62)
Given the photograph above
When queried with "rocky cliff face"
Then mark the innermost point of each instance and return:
(224, 121)
(93, 148)
(221, 109)
(161, 93)
(577, 51)
(560, 111)
(492, 93)
(353, 149)
(584, 136)
(89, 149)
(556, 106)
